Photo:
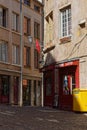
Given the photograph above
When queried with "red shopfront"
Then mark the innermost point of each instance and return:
(68, 80)
(48, 85)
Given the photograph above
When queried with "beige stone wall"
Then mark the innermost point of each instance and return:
(77, 47)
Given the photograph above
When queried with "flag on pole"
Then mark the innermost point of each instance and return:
(37, 46)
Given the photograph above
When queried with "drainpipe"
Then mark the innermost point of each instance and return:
(21, 64)
(42, 50)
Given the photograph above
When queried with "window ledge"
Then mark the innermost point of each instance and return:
(65, 39)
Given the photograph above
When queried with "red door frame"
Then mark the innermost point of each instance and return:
(66, 101)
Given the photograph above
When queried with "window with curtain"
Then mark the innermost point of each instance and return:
(3, 51)
(16, 54)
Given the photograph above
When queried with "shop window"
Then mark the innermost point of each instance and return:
(3, 51)
(27, 57)
(48, 87)
(5, 88)
(15, 21)
(49, 83)
(68, 84)
(3, 17)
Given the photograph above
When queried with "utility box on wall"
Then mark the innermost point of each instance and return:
(80, 100)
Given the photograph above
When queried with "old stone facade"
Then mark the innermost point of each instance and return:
(65, 52)
(10, 49)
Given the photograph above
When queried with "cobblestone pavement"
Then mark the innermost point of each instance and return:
(37, 118)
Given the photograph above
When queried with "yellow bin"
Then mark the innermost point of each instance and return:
(80, 100)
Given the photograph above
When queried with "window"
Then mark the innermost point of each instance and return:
(66, 22)
(27, 2)
(37, 30)
(15, 54)
(27, 26)
(3, 17)
(37, 8)
(27, 56)
(3, 51)
(15, 21)
(36, 59)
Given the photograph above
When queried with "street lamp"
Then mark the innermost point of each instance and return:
(30, 39)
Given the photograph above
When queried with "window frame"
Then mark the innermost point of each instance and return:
(15, 25)
(37, 30)
(27, 56)
(3, 17)
(15, 55)
(3, 51)
(67, 25)
(27, 26)
(27, 2)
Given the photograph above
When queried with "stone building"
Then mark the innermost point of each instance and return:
(65, 41)
(20, 80)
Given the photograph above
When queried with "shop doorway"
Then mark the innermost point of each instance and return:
(49, 88)
(27, 92)
(4, 89)
(67, 84)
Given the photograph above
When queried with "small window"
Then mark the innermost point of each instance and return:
(27, 2)
(37, 8)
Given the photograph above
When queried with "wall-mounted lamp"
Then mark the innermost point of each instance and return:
(30, 39)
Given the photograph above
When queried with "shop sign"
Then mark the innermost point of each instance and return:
(66, 64)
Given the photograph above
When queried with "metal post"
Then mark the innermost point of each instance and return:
(21, 47)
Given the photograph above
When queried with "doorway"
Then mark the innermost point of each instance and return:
(66, 86)
(27, 92)
(4, 89)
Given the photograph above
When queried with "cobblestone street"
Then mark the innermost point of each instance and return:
(36, 118)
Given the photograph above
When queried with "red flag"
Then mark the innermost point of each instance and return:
(37, 46)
